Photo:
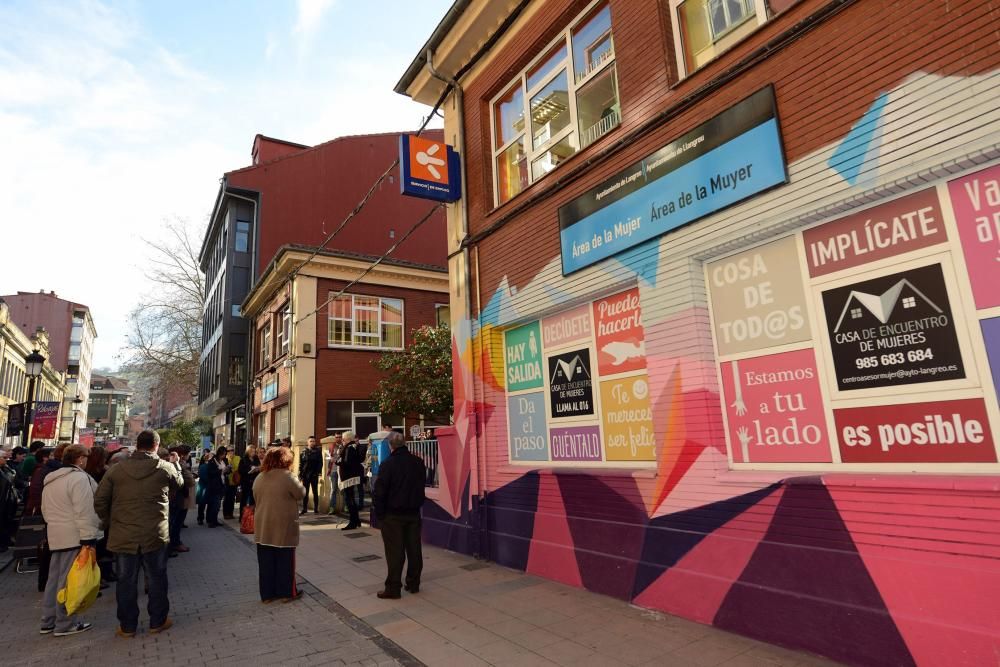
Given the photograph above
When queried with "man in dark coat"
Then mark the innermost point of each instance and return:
(398, 497)
(132, 502)
(310, 468)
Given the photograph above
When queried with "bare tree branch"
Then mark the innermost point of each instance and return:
(164, 337)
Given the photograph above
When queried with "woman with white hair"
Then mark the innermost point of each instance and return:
(71, 525)
(351, 471)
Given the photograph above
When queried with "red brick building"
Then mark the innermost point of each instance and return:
(294, 194)
(313, 348)
(731, 348)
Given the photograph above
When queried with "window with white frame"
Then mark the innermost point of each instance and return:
(442, 314)
(704, 29)
(284, 330)
(281, 429)
(565, 100)
(365, 321)
(265, 344)
(262, 430)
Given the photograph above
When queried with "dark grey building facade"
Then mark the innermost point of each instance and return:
(227, 259)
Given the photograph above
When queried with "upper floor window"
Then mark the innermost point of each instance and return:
(235, 370)
(284, 330)
(703, 29)
(366, 321)
(242, 236)
(566, 99)
(265, 344)
(442, 315)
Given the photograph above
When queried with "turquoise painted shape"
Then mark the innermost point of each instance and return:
(861, 142)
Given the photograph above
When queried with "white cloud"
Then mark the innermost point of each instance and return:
(310, 14)
(101, 143)
(106, 133)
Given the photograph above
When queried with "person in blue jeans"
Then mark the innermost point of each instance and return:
(132, 501)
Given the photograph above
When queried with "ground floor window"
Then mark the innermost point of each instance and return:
(360, 416)
(281, 428)
(262, 438)
(862, 341)
(577, 387)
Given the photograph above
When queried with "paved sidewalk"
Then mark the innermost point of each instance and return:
(475, 613)
(218, 620)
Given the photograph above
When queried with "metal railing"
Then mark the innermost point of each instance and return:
(428, 451)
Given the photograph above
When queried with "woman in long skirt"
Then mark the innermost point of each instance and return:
(277, 495)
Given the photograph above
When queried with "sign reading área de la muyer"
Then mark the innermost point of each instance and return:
(733, 156)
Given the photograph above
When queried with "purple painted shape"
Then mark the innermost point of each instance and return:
(991, 336)
(786, 593)
(607, 521)
(575, 443)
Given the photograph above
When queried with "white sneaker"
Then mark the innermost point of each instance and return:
(78, 628)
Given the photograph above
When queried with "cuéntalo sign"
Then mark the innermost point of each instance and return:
(429, 169)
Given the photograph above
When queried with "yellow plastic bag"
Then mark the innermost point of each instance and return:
(82, 583)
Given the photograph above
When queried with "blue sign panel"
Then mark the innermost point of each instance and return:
(732, 157)
(429, 169)
(269, 391)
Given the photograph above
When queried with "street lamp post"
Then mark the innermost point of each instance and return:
(76, 411)
(33, 364)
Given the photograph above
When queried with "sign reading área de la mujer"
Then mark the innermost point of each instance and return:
(733, 156)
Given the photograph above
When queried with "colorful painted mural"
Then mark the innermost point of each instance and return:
(757, 509)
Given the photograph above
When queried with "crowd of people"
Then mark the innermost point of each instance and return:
(130, 507)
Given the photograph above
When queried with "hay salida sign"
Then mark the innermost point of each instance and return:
(732, 157)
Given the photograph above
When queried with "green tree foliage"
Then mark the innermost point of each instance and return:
(185, 433)
(418, 379)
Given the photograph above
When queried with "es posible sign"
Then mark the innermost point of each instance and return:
(938, 432)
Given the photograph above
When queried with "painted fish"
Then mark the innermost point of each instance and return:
(622, 352)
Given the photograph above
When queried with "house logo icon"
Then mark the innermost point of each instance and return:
(882, 306)
(569, 371)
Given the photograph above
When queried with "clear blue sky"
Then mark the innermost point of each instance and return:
(117, 116)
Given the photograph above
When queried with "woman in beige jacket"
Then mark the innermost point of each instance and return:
(277, 495)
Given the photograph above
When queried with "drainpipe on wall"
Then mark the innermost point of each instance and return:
(477, 482)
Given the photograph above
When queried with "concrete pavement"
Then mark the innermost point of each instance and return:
(467, 613)
(218, 619)
(475, 613)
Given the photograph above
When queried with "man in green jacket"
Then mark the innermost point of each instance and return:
(132, 502)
